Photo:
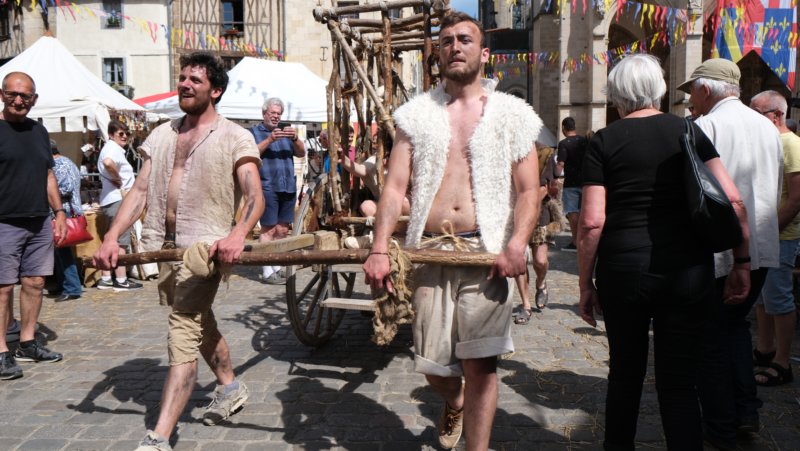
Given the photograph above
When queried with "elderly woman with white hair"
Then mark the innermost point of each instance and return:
(635, 232)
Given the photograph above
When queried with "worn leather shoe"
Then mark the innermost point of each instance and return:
(67, 297)
(450, 426)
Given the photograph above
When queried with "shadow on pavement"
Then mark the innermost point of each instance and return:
(319, 417)
(130, 381)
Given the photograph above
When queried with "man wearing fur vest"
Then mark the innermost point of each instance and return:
(469, 154)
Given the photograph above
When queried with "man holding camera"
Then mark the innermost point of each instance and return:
(278, 143)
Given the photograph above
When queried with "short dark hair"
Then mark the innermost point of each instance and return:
(456, 17)
(215, 69)
(114, 126)
(568, 124)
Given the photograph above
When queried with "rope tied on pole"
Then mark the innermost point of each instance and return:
(395, 308)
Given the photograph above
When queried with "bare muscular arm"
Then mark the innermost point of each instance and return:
(376, 268)
(130, 209)
(357, 169)
(230, 248)
(511, 262)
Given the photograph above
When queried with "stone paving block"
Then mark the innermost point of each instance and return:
(89, 445)
(95, 417)
(57, 430)
(187, 445)
(16, 431)
(43, 418)
(130, 443)
(42, 444)
(250, 447)
(101, 432)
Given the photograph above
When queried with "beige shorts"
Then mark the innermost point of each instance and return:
(459, 314)
(190, 297)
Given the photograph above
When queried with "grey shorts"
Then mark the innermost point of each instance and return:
(459, 315)
(110, 212)
(26, 248)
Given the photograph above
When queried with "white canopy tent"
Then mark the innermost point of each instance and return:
(66, 88)
(253, 81)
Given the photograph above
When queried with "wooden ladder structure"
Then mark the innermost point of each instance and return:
(365, 57)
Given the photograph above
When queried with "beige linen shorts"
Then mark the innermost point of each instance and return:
(190, 297)
(459, 314)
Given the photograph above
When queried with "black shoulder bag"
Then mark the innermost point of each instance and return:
(713, 216)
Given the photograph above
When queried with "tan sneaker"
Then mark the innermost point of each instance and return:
(450, 426)
(223, 406)
(153, 442)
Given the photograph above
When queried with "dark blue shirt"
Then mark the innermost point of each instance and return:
(277, 163)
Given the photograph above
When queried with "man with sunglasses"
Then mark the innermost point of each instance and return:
(28, 189)
(775, 309)
(116, 174)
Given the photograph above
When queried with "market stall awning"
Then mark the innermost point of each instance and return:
(253, 81)
(154, 98)
(68, 92)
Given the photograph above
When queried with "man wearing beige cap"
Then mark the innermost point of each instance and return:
(750, 148)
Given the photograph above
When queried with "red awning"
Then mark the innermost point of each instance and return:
(155, 97)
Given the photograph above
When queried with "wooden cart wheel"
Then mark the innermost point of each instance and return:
(308, 286)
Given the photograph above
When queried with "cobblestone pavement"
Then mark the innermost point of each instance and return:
(348, 394)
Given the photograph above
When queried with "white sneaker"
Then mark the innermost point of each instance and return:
(153, 442)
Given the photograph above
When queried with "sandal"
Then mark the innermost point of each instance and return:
(782, 376)
(762, 359)
(541, 298)
(522, 315)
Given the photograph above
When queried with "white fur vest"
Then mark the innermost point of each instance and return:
(505, 134)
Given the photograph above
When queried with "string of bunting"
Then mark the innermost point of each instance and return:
(670, 24)
(543, 60)
(176, 37)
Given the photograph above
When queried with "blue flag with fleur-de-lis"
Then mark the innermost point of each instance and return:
(767, 27)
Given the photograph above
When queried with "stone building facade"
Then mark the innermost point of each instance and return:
(556, 92)
(19, 28)
(117, 50)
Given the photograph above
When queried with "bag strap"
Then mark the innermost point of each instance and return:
(690, 132)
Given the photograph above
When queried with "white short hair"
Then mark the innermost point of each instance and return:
(773, 101)
(635, 83)
(718, 89)
(272, 101)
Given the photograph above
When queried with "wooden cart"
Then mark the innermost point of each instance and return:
(364, 55)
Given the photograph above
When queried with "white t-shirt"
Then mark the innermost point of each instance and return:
(750, 148)
(110, 193)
